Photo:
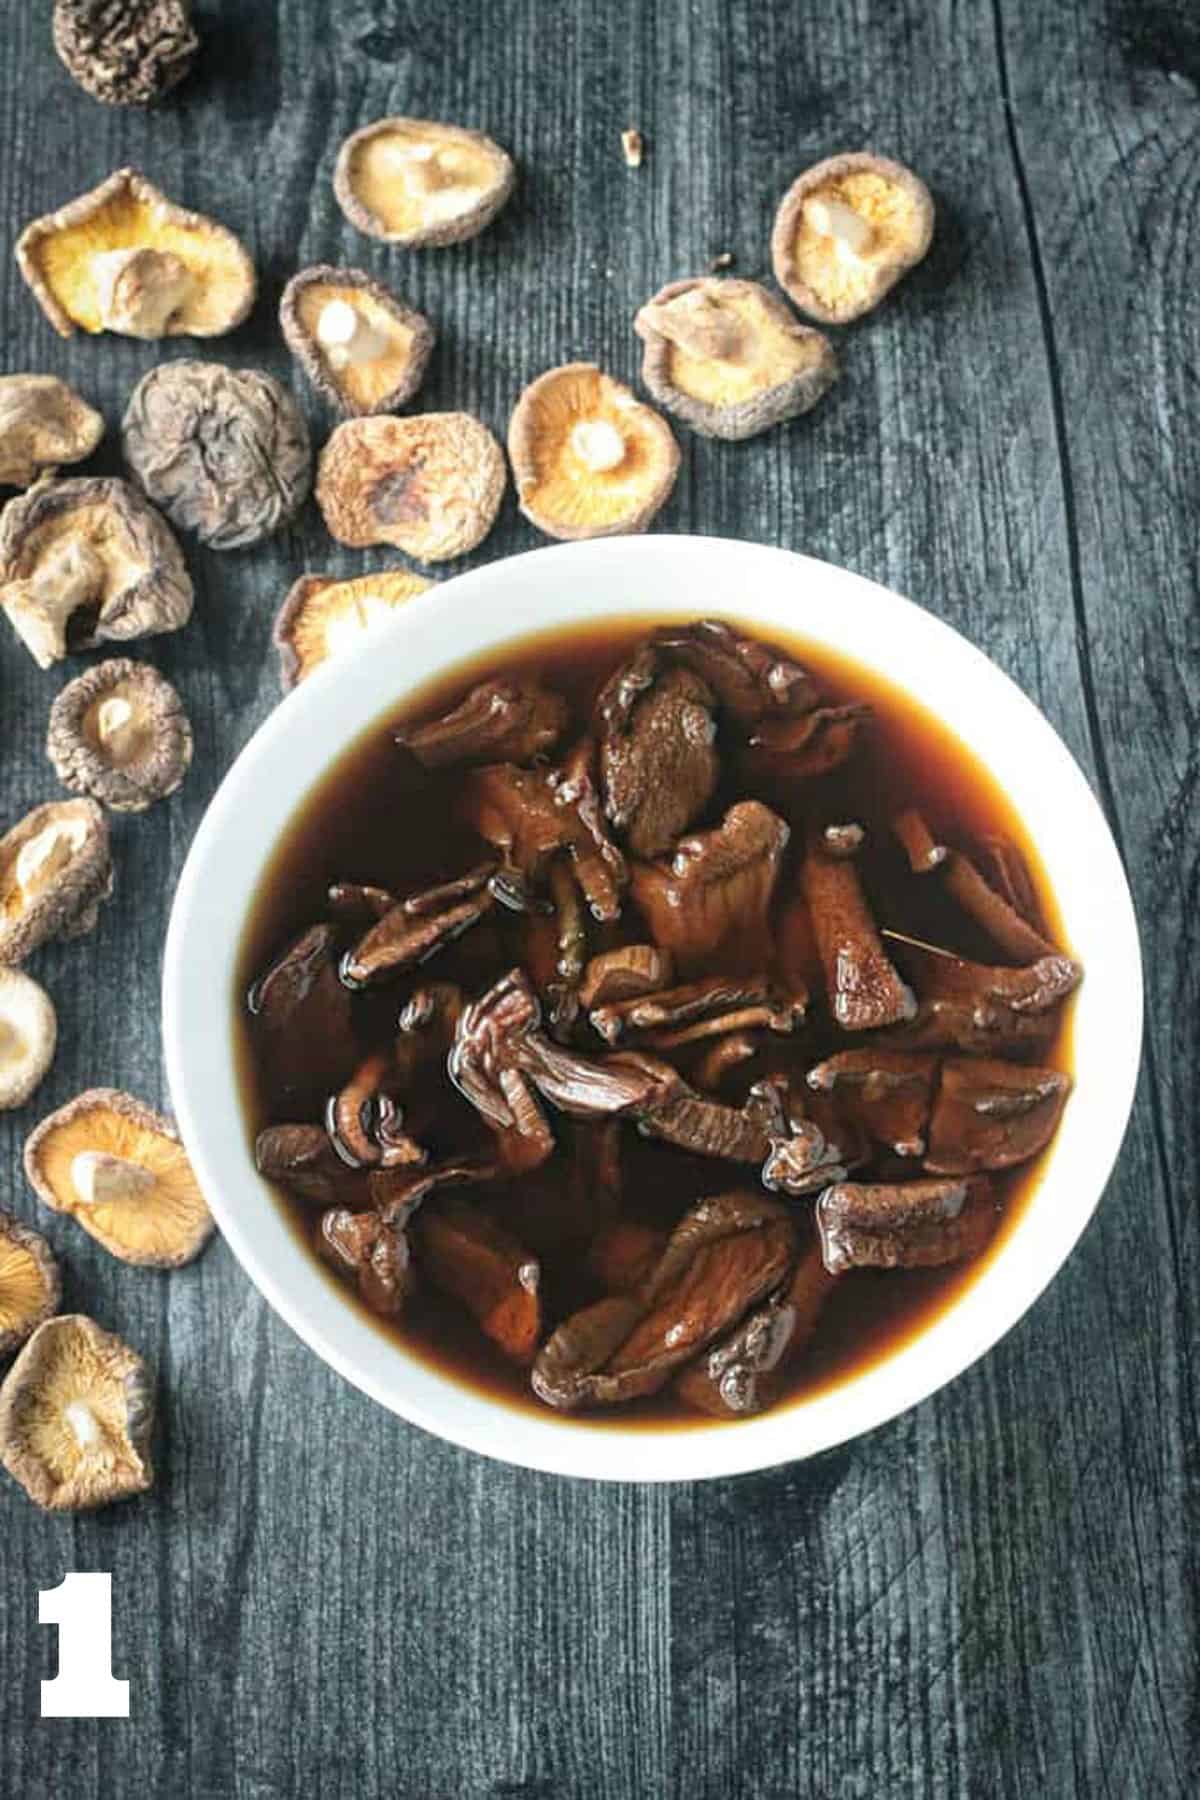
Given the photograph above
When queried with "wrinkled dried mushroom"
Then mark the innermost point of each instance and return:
(55, 870)
(120, 1171)
(224, 452)
(589, 459)
(729, 359)
(88, 561)
(323, 617)
(431, 485)
(124, 258)
(361, 348)
(125, 52)
(43, 424)
(119, 733)
(420, 183)
(846, 231)
(30, 1288)
(76, 1417)
(28, 1034)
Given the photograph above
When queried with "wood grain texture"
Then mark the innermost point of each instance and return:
(997, 1594)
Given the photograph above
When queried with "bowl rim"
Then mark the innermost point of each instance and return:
(198, 1016)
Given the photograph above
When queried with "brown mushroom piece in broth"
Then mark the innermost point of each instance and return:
(498, 721)
(862, 986)
(659, 765)
(889, 1093)
(991, 1114)
(712, 897)
(903, 1225)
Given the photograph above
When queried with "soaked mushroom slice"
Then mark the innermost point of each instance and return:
(712, 897)
(120, 1171)
(975, 1006)
(747, 1372)
(301, 1159)
(86, 562)
(55, 871)
(498, 721)
(396, 1193)
(323, 618)
(721, 1058)
(30, 1288)
(421, 183)
(468, 1256)
(922, 849)
(806, 747)
(589, 459)
(124, 258)
(862, 986)
(430, 485)
(1011, 923)
(624, 974)
(710, 1007)
(753, 681)
(794, 1154)
(992, 1115)
(365, 1123)
(659, 766)
(375, 1253)
(417, 928)
(623, 1255)
(904, 1225)
(43, 424)
(28, 1034)
(845, 233)
(1006, 871)
(729, 359)
(363, 350)
(302, 1023)
(889, 1093)
(530, 815)
(130, 54)
(119, 733)
(356, 903)
(76, 1417)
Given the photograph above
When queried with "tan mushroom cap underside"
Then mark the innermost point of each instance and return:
(55, 871)
(589, 459)
(728, 358)
(431, 485)
(30, 1286)
(125, 258)
(358, 344)
(43, 424)
(323, 618)
(119, 733)
(846, 231)
(421, 183)
(28, 1035)
(76, 1417)
(120, 1171)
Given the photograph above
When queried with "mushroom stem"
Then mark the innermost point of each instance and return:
(140, 290)
(346, 337)
(97, 1177)
(83, 1422)
(598, 445)
(851, 234)
(45, 856)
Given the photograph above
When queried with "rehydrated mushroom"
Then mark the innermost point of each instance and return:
(303, 1023)
(119, 733)
(374, 1251)
(416, 928)
(323, 617)
(903, 1225)
(55, 870)
(431, 484)
(224, 452)
(420, 183)
(498, 721)
(624, 974)
(120, 1171)
(486, 1269)
(862, 987)
(124, 258)
(43, 423)
(815, 743)
(589, 459)
(1007, 913)
(76, 1417)
(846, 231)
(713, 896)
(658, 760)
(302, 1160)
(729, 359)
(530, 815)
(88, 561)
(710, 1007)
(125, 52)
(30, 1286)
(753, 681)
(745, 1373)
(361, 347)
(991, 1114)
(28, 1034)
(975, 1006)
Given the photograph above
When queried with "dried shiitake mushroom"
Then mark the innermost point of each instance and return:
(55, 870)
(729, 359)
(323, 617)
(43, 423)
(87, 561)
(224, 452)
(28, 1034)
(589, 459)
(124, 258)
(76, 1417)
(420, 183)
(431, 484)
(121, 1172)
(30, 1288)
(119, 733)
(125, 52)
(363, 349)
(846, 231)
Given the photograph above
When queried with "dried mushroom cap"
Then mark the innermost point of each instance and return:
(30, 1288)
(124, 258)
(119, 732)
(28, 1034)
(125, 52)
(420, 183)
(846, 231)
(589, 459)
(43, 423)
(729, 359)
(323, 617)
(121, 1172)
(55, 869)
(87, 561)
(224, 452)
(431, 485)
(363, 349)
(76, 1417)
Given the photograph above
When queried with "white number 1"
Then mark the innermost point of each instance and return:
(81, 1607)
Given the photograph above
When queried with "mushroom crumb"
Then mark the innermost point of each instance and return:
(633, 147)
(124, 258)
(28, 1034)
(845, 233)
(589, 459)
(119, 733)
(76, 1417)
(43, 423)
(30, 1288)
(361, 347)
(125, 52)
(420, 183)
(431, 485)
(55, 870)
(323, 617)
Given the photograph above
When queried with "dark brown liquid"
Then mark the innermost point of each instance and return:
(378, 819)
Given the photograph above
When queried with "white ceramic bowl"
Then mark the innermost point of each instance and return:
(688, 577)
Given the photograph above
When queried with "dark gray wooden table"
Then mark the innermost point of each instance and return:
(995, 1595)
